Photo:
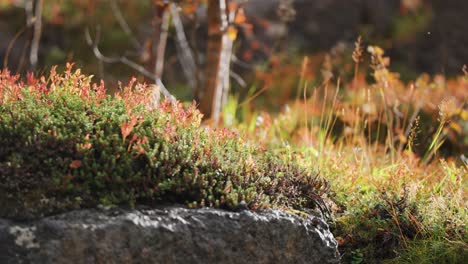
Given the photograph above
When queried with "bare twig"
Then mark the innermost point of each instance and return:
(33, 57)
(126, 61)
(10, 46)
(29, 10)
(124, 25)
(238, 79)
(192, 41)
(161, 49)
(184, 51)
(241, 63)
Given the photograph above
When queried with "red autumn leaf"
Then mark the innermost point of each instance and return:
(134, 138)
(75, 164)
(227, 189)
(240, 17)
(127, 128)
(87, 145)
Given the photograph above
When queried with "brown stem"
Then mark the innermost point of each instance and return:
(33, 55)
(161, 48)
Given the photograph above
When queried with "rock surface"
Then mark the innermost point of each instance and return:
(168, 235)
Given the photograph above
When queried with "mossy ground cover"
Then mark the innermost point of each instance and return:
(66, 144)
(393, 152)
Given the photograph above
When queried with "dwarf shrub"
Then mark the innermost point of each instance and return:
(65, 144)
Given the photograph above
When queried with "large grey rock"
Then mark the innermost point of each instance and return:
(168, 235)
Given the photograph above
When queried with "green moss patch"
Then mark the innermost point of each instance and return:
(65, 144)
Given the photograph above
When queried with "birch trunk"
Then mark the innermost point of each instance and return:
(37, 32)
(218, 61)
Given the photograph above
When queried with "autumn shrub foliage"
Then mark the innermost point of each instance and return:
(66, 144)
(393, 151)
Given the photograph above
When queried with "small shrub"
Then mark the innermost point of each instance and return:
(66, 144)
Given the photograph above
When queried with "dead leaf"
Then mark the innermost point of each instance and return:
(75, 164)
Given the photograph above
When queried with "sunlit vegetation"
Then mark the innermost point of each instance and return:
(392, 152)
(66, 144)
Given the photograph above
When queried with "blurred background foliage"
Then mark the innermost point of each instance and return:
(419, 35)
(282, 46)
(285, 50)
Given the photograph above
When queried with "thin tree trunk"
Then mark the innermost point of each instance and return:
(226, 56)
(184, 51)
(155, 46)
(161, 48)
(37, 32)
(218, 61)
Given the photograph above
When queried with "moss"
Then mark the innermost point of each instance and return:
(66, 145)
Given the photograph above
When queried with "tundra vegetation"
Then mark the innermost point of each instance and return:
(384, 160)
(67, 144)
